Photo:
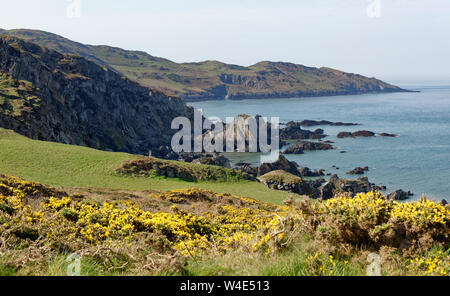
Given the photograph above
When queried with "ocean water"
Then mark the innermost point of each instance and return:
(418, 160)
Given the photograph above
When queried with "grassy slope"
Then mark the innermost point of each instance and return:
(74, 166)
(261, 79)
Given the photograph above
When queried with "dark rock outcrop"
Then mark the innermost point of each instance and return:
(242, 132)
(293, 131)
(294, 149)
(325, 122)
(307, 172)
(400, 195)
(388, 135)
(281, 164)
(356, 134)
(335, 185)
(330, 188)
(358, 171)
(301, 146)
(282, 180)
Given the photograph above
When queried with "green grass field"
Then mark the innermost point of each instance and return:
(74, 166)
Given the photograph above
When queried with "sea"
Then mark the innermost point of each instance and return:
(417, 160)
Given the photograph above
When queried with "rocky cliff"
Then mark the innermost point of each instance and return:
(66, 98)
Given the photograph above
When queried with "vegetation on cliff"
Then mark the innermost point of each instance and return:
(175, 169)
(17, 96)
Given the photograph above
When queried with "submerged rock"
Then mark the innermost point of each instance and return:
(356, 134)
(358, 171)
(388, 135)
(301, 146)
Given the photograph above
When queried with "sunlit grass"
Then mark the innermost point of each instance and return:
(74, 166)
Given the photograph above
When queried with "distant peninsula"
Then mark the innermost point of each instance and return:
(213, 80)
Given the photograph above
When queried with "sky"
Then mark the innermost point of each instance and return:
(389, 39)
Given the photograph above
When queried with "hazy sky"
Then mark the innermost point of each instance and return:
(389, 39)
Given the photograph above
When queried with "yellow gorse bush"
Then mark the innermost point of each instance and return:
(435, 265)
(96, 224)
(373, 206)
(422, 213)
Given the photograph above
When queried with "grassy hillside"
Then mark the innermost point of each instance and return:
(213, 79)
(74, 166)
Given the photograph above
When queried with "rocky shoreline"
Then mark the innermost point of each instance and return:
(288, 175)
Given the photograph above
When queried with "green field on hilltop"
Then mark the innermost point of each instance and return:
(63, 165)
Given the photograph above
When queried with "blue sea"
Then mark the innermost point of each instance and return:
(418, 160)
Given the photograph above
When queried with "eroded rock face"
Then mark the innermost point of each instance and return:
(82, 103)
(281, 164)
(335, 185)
(282, 180)
(246, 131)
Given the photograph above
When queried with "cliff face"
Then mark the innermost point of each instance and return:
(213, 80)
(287, 80)
(50, 96)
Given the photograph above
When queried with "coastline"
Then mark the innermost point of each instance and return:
(289, 95)
(396, 162)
